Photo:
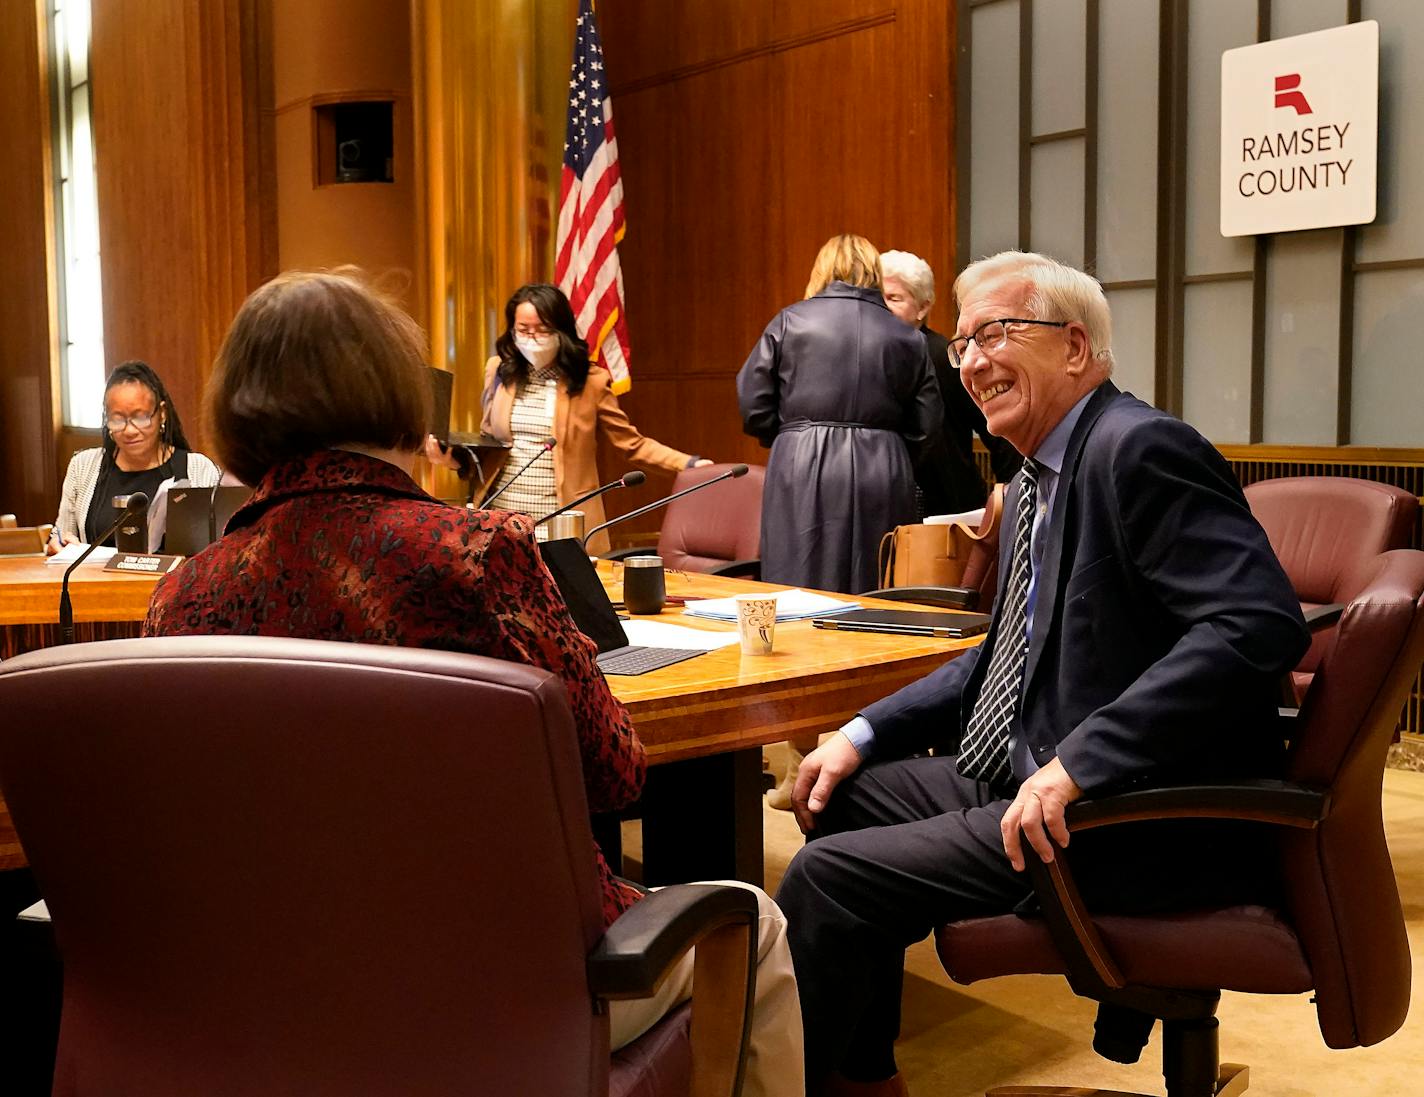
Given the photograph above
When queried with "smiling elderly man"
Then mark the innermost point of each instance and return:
(1138, 639)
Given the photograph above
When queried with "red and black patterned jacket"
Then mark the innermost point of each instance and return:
(340, 546)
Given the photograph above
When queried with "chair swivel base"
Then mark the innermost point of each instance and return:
(1231, 1081)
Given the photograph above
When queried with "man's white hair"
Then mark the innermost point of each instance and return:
(1056, 292)
(913, 272)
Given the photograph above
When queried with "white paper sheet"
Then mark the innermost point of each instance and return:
(791, 605)
(75, 549)
(660, 634)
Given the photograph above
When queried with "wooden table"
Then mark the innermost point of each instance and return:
(703, 720)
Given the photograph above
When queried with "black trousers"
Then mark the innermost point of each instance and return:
(906, 846)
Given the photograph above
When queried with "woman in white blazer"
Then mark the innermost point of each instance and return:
(144, 449)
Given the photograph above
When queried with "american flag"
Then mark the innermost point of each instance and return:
(591, 208)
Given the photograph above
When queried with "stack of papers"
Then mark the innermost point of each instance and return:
(791, 605)
(75, 549)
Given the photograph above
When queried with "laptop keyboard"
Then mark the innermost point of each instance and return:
(640, 660)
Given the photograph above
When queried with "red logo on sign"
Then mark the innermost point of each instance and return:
(1287, 96)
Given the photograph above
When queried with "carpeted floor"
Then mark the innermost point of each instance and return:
(957, 1041)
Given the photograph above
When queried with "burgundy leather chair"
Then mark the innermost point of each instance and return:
(294, 866)
(1340, 931)
(1321, 528)
(717, 531)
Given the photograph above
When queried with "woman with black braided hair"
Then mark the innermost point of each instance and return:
(143, 447)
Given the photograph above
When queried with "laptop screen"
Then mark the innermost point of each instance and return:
(196, 516)
(588, 603)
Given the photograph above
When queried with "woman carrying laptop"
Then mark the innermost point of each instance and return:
(320, 398)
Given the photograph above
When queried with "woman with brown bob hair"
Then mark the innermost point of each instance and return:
(319, 397)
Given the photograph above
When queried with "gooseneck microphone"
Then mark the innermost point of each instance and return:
(549, 443)
(627, 480)
(731, 474)
(137, 504)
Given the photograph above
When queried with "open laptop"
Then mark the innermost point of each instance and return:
(591, 610)
(196, 516)
(907, 622)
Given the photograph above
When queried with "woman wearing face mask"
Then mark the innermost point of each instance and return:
(540, 385)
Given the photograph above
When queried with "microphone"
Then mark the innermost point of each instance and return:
(549, 443)
(137, 504)
(628, 480)
(731, 474)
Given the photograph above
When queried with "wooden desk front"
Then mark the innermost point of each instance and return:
(720, 707)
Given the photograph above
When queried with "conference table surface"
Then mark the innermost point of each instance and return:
(718, 703)
(814, 680)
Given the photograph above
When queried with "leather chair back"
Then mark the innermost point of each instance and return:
(296, 866)
(1343, 898)
(715, 526)
(1321, 527)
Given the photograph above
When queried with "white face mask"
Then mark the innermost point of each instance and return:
(539, 352)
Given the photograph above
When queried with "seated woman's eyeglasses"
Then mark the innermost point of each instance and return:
(992, 335)
(116, 423)
(534, 333)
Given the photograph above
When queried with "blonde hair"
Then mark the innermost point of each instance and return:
(1056, 292)
(912, 272)
(845, 258)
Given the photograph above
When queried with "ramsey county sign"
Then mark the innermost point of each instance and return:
(1299, 130)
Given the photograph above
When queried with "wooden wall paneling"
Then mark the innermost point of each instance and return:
(29, 408)
(332, 51)
(174, 123)
(792, 18)
(748, 134)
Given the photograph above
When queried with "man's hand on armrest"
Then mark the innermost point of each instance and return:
(1038, 811)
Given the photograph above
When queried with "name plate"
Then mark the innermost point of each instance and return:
(133, 561)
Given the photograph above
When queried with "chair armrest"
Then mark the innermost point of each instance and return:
(949, 597)
(624, 553)
(640, 948)
(1322, 617)
(738, 569)
(655, 932)
(1261, 801)
(1092, 970)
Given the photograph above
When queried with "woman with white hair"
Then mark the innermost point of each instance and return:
(946, 475)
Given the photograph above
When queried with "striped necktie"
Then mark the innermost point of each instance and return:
(984, 752)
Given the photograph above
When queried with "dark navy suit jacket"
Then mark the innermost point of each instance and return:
(1162, 625)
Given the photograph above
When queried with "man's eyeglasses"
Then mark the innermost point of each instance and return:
(992, 335)
(142, 421)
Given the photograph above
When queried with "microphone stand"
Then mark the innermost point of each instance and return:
(629, 480)
(731, 474)
(545, 448)
(137, 504)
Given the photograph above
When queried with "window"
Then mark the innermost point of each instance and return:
(81, 313)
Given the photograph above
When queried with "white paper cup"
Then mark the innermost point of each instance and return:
(756, 623)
